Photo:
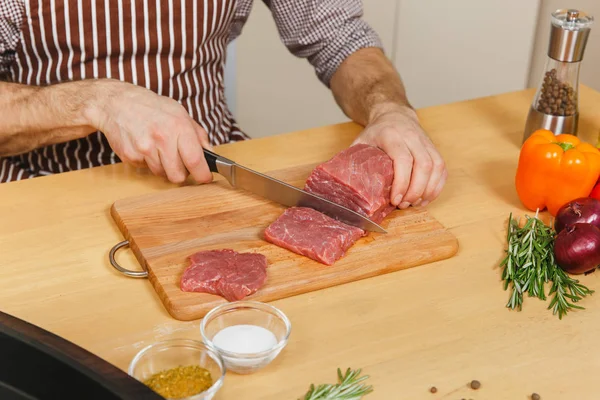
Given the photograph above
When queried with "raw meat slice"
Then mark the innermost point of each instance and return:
(308, 232)
(226, 273)
(359, 178)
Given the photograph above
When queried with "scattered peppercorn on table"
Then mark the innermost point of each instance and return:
(424, 333)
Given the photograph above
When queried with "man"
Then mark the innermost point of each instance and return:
(141, 81)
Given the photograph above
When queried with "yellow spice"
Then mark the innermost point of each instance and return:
(180, 382)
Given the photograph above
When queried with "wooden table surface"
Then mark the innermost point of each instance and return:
(441, 325)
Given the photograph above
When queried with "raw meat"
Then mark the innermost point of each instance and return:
(225, 273)
(359, 178)
(308, 232)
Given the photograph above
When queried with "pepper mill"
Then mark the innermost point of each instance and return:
(555, 105)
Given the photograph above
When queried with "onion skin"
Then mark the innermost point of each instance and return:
(577, 248)
(583, 209)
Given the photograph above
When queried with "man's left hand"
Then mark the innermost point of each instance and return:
(419, 170)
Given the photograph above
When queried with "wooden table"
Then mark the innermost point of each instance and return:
(442, 324)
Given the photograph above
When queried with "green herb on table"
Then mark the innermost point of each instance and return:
(349, 387)
(529, 264)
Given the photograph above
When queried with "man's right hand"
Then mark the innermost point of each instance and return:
(145, 129)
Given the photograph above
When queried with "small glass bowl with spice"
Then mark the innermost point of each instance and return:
(247, 334)
(181, 369)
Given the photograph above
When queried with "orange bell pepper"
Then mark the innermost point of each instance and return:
(554, 170)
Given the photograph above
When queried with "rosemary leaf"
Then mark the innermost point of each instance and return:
(349, 387)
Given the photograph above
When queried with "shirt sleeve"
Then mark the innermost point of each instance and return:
(11, 16)
(325, 32)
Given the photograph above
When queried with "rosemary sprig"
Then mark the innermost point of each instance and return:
(529, 264)
(348, 388)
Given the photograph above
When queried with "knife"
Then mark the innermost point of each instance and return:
(280, 192)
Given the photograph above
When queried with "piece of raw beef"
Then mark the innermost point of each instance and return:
(226, 273)
(359, 178)
(310, 233)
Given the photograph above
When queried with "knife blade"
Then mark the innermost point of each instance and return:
(280, 192)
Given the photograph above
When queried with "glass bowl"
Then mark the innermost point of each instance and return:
(173, 353)
(246, 313)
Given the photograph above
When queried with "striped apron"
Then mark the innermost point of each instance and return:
(175, 48)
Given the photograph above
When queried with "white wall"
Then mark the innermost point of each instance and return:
(462, 49)
(445, 52)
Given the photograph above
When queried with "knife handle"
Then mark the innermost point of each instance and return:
(212, 158)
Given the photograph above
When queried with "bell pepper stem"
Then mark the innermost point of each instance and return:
(565, 146)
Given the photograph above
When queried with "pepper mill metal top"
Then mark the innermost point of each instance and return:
(569, 34)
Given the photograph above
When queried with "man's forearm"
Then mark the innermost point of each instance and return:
(366, 84)
(32, 117)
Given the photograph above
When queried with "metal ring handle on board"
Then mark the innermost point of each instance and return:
(115, 264)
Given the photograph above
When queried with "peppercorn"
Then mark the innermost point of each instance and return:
(535, 396)
(475, 384)
(556, 97)
(433, 389)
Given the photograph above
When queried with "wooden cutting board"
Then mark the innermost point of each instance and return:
(165, 228)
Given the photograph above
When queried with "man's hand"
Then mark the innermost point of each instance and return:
(145, 129)
(370, 91)
(419, 170)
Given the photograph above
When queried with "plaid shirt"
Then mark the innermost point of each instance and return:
(325, 32)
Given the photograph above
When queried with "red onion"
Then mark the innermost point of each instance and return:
(577, 248)
(583, 209)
